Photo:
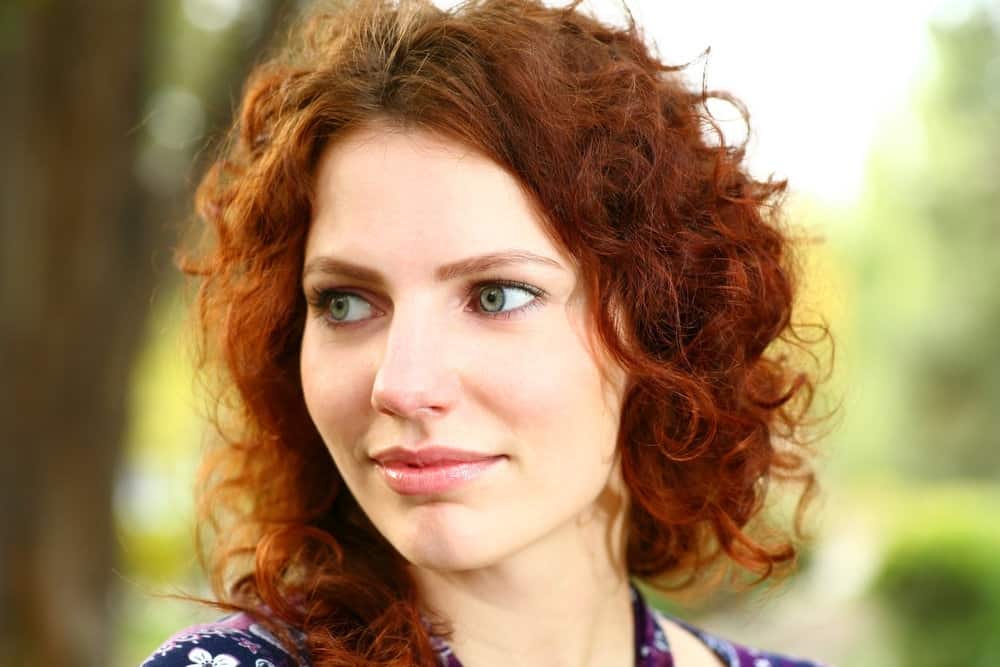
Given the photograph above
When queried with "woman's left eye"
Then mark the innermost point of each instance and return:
(499, 298)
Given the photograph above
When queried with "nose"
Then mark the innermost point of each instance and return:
(414, 379)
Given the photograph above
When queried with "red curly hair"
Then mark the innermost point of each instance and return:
(678, 246)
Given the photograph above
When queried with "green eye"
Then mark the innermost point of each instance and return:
(493, 297)
(342, 305)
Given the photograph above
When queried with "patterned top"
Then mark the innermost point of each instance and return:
(237, 641)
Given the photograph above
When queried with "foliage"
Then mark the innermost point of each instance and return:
(928, 263)
(940, 579)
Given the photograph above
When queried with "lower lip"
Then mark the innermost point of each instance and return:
(439, 478)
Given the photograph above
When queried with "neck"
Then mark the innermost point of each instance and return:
(564, 600)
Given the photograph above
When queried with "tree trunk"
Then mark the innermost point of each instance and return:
(75, 283)
(82, 247)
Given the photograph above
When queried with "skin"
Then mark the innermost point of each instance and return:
(418, 360)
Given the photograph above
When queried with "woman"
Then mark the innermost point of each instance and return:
(490, 301)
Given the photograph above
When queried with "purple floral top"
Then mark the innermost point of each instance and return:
(237, 641)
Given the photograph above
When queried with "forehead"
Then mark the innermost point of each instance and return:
(380, 186)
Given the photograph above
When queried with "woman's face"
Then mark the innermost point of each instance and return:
(445, 359)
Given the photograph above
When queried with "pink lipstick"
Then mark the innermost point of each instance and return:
(432, 470)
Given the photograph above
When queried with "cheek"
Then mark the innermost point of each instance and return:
(333, 386)
(527, 384)
(553, 389)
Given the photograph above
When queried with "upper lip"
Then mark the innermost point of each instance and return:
(428, 456)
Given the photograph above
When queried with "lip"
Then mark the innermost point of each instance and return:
(431, 470)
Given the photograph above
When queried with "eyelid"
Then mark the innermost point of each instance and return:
(319, 298)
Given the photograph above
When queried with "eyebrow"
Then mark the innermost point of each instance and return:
(478, 264)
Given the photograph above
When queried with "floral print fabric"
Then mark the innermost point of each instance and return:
(652, 649)
(234, 641)
(237, 641)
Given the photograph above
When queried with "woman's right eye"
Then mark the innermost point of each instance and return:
(342, 308)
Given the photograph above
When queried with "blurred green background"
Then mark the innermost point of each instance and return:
(108, 107)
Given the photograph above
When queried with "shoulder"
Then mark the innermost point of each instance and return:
(234, 641)
(727, 653)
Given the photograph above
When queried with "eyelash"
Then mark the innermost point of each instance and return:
(321, 298)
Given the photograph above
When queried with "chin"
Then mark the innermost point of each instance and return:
(441, 542)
